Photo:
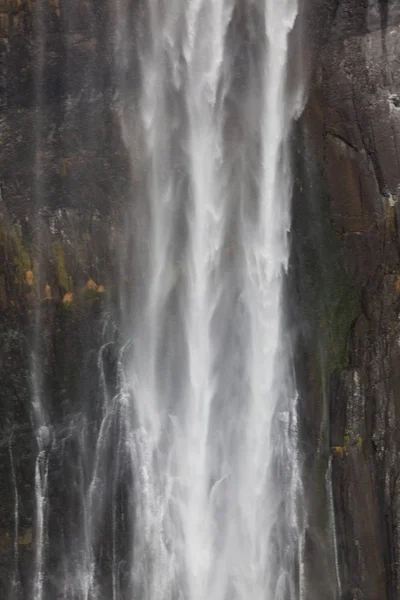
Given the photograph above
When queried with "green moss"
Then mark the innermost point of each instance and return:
(350, 440)
(329, 301)
(14, 250)
(64, 280)
(91, 295)
(22, 259)
(338, 305)
(68, 307)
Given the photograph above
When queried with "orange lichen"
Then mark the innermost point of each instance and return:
(47, 291)
(91, 285)
(101, 289)
(68, 298)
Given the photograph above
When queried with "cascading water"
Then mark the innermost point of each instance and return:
(185, 478)
(211, 416)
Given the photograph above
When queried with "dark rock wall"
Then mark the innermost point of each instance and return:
(347, 279)
(63, 176)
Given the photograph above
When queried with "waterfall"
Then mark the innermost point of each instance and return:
(211, 425)
(178, 460)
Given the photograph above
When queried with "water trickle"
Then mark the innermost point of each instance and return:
(329, 491)
(43, 440)
(16, 584)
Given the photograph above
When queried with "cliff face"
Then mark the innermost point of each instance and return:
(63, 176)
(347, 272)
(63, 173)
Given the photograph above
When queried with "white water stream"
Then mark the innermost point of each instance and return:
(195, 462)
(211, 421)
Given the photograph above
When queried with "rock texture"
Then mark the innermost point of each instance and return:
(63, 175)
(347, 272)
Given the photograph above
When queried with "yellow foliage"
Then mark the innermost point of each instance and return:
(338, 451)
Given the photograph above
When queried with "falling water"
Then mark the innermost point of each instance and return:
(183, 479)
(15, 585)
(211, 424)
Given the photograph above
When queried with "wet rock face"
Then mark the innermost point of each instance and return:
(62, 161)
(351, 129)
(63, 176)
